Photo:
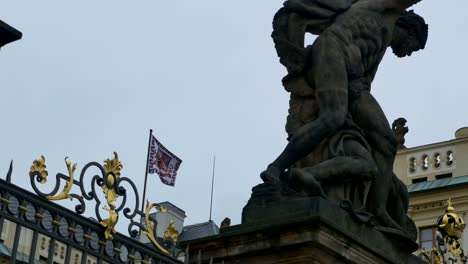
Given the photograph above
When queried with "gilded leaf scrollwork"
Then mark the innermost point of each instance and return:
(171, 233)
(149, 232)
(39, 166)
(110, 223)
(65, 194)
(112, 169)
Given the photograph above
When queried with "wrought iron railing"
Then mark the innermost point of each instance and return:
(93, 239)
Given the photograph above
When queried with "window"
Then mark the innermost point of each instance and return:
(424, 179)
(427, 237)
(443, 176)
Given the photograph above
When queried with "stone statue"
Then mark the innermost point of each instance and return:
(225, 223)
(400, 130)
(338, 134)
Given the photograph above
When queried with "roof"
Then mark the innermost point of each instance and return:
(437, 184)
(197, 231)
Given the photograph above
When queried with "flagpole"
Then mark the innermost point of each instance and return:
(146, 171)
(212, 184)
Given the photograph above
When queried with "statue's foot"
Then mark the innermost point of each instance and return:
(309, 183)
(271, 175)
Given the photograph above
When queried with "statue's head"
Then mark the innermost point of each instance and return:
(410, 34)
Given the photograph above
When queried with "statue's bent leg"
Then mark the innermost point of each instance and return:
(368, 115)
(337, 170)
(329, 76)
(356, 165)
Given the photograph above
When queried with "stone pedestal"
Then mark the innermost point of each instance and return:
(328, 234)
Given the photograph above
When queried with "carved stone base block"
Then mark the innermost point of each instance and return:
(327, 234)
(311, 240)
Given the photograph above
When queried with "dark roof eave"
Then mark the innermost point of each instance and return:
(439, 185)
(439, 188)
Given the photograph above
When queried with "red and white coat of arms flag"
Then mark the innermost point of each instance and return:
(163, 162)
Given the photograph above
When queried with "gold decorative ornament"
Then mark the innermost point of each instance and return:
(112, 169)
(455, 228)
(68, 185)
(39, 166)
(150, 225)
(449, 250)
(4, 200)
(454, 248)
(436, 257)
(110, 222)
(171, 232)
(453, 225)
(431, 257)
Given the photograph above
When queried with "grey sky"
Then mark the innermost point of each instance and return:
(91, 77)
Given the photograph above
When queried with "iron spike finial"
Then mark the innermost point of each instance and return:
(10, 171)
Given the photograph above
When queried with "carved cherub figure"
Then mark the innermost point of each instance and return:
(337, 70)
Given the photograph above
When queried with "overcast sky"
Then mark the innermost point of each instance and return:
(91, 77)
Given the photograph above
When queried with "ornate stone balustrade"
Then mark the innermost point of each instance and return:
(437, 160)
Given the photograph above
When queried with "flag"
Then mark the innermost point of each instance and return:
(163, 162)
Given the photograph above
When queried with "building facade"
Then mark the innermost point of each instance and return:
(435, 173)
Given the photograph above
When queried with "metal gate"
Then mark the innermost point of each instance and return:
(36, 230)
